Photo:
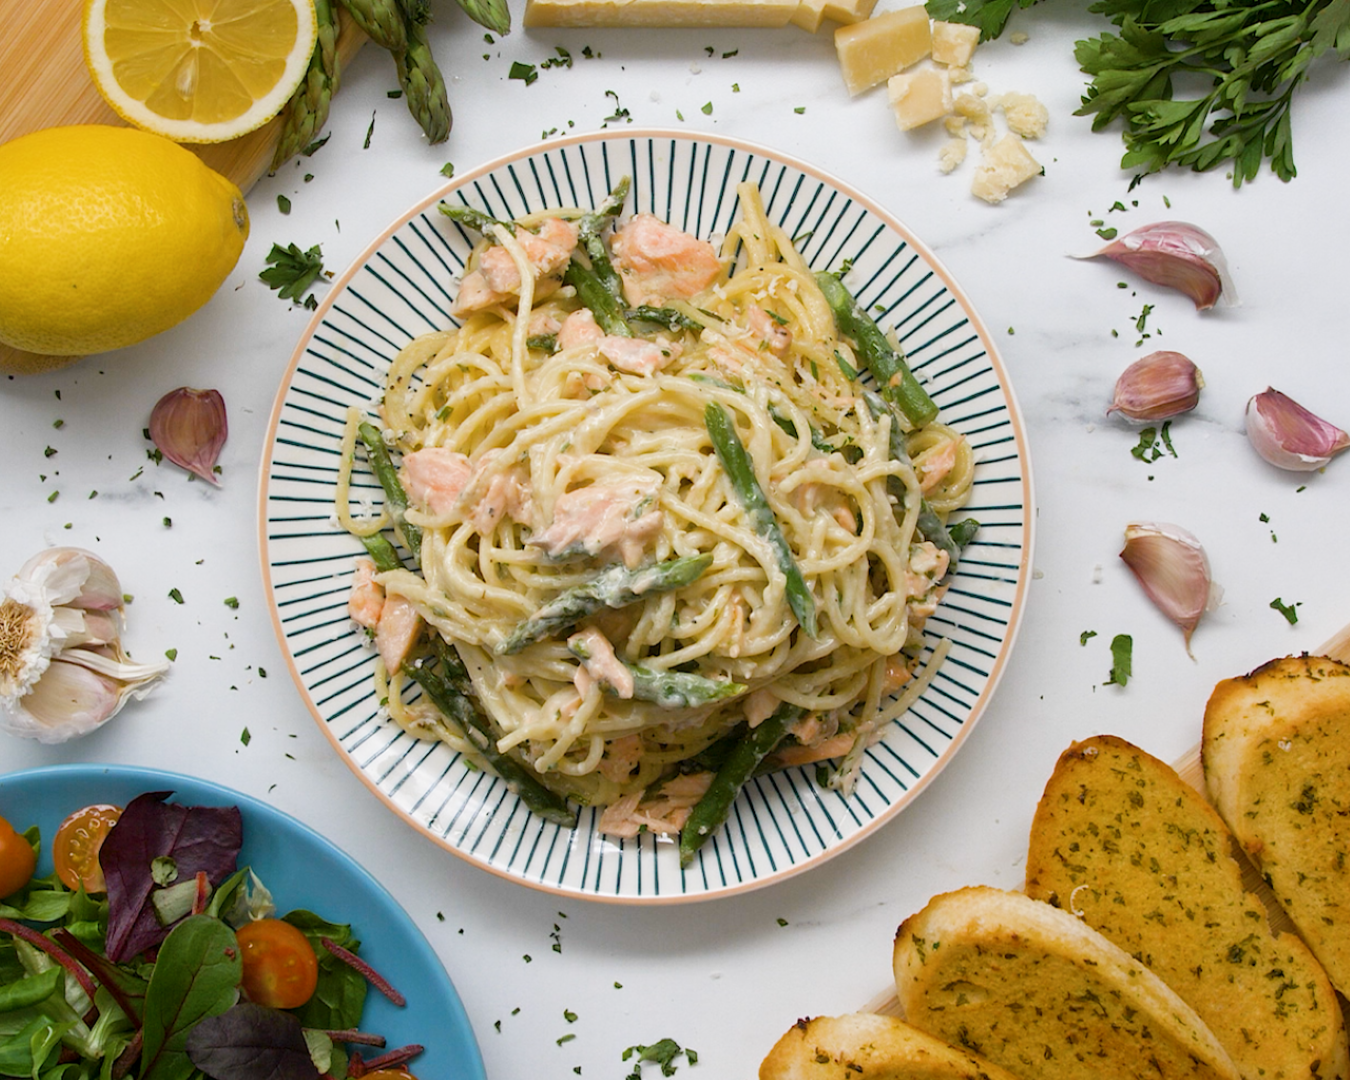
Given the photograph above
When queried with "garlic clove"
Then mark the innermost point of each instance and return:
(1157, 387)
(1172, 567)
(189, 426)
(91, 628)
(81, 577)
(1178, 255)
(68, 700)
(1290, 437)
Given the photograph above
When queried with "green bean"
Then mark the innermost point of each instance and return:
(382, 553)
(461, 710)
(711, 811)
(736, 464)
(593, 292)
(668, 689)
(395, 498)
(887, 365)
(614, 587)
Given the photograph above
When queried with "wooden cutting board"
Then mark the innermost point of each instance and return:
(44, 83)
(1189, 769)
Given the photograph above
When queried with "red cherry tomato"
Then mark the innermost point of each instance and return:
(77, 844)
(280, 968)
(17, 861)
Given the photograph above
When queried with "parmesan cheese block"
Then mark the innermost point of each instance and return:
(811, 13)
(1040, 993)
(1277, 767)
(919, 97)
(662, 13)
(1121, 841)
(1006, 164)
(871, 52)
(954, 43)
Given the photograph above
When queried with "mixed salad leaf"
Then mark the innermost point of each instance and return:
(134, 985)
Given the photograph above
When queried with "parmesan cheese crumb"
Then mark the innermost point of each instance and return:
(1025, 115)
(1006, 165)
(1019, 37)
(952, 154)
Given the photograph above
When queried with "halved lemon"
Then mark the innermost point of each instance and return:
(198, 70)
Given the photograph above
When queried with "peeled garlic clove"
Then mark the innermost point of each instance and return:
(1157, 387)
(1178, 255)
(1290, 437)
(1173, 570)
(189, 426)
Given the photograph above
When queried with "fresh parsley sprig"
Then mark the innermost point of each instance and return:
(292, 271)
(1246, 56)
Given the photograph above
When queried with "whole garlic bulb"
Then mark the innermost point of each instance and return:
(63, 672)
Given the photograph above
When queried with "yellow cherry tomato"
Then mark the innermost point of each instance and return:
(280, 968)
(17, 861)
(77, 844)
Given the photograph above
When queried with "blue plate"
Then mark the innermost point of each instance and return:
(303, 870)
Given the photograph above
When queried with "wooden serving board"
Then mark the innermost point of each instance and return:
(44, 83)
(1189, 768)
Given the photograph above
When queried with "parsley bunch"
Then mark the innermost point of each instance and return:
(1246, 57)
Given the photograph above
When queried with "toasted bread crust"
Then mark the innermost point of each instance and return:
(1120, 840)
(1037, 991)
(865, 1046)
(1276, 757)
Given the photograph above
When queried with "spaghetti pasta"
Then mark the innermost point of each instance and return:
(621, 600)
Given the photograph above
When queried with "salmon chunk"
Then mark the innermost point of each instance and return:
(658, 262)
(592, 519)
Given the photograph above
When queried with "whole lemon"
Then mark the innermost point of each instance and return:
(107, 236)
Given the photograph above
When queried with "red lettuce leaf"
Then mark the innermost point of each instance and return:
(250, 1042)
(197, 838)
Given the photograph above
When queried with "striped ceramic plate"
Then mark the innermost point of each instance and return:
(403, 285)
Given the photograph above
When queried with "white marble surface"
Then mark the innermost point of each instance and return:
(729, 976)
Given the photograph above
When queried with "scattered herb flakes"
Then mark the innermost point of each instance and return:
(1300, 489)
(168, 523)
(1086, 636)
(489, 39)
(498, 1025)
(245, 737)
(1117, 205)
(799, 109)
(448, 170)
(781, 921)
(1122, 652)
(369, 131)
(563, 59)
(589, 53)
(735, 88)
(707, 108)
(394, 94)
(292, 271)
(528, 958)
(727, 55)
(1264, 518)
(662, 1053)
(283, 204)
(58, 424)
(440, 915)
(679, 116)
(232, 602)
(1153, 444)
(620, 113)
(1287, 610)
(566, 1038)
(307, 177)
(175, 596)
(709, 50)
(48, 452)
(1142, 320)
(569, 1016)
(556, 937)
(311, 302)
(93, 494)
(262, 673)
(1108, 234)
(316, 145)
(522, 72)
(52, 497)
(618, 986)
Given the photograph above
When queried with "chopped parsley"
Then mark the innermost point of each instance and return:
(1152, 444)
(245, 737)
(448, 169)
(1086, 636)
(525, 73)
(661, 1053)
(283, 204)
(1107, 234)
(1287, 610)
(292, 271)
(172, 654)
(799, 109)
(175, 596)
(620, 113)
(1122, 651)
(563, 59)
(369, 131)
(232, 602)
(707, 108)
(316, 145)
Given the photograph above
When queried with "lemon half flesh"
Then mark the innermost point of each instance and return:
(198, 70)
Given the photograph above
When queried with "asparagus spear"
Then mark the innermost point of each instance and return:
(461, 710)
(669, 689)
(395, 498)
(475, 219)
(664, 316)
(898, 384)
(711, 810)
(615, 587)
(382, 20)
(492, 14)
(307, 111)
(736, 463)
(423, 86)
(382, 553)
(595, 294)
(589, 228)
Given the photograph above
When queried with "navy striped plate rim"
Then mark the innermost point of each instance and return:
(403, 285)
